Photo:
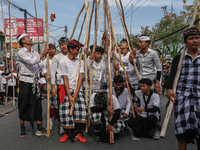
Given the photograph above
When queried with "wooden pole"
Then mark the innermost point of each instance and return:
(171, 104)
(109, 74)
(123, 24)
(11, 52)
(82, 26)
(48, 86)
(6, 49)
(77, 21)
(88, 41)
(78, 70)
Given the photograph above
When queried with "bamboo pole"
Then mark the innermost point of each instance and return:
(109, 74)
(6, 49)
(11, 52)
(88, 41)
(123, 24)
(78, 70)
(37, 26)
(171, 104)
(77, 21)
(82, 26)
(48, 86)
(109, 18)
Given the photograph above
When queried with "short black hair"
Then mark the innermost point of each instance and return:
(69, 45)
(20, 41)
(169, 62)
(189, 32)
(99, 49)
(118, 79)
(125, 40)
(91, 47)
(146, 81)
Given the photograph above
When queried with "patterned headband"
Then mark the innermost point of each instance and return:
(63, 40)
(76, 43)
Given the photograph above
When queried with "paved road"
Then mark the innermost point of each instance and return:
(9, 137)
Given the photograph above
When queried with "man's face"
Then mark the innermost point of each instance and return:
(144, 87)
(118, 86)
(63, 47)
(164, 68)
(124, 47)
(98, 56)
(27, 40)
(193, 42)
(75, 51)
(52, 51)
(143, 44)
(1, 68)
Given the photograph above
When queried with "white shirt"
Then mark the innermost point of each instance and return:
(124, 100)
(154, 101)
(54, 67)
(2, 81)
(29, 64)
(69, 68)
(10, 82)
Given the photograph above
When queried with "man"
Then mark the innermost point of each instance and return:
(100, 108)
(147, 60)
(29, 102)
(187, 97)
(72, 125)
(56, 80)
(54, 112)
(165, 74)
(145, 125)
(123, 97)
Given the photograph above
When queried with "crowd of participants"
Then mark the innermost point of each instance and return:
(68, 92)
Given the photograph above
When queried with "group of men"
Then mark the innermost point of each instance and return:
(68, 98)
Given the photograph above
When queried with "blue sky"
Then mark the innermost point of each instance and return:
(66, 12)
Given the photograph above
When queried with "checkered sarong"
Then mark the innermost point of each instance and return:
(54, 101)
(134, 97)
(80, 112)
(129, 115)
(187, 114)
(96, 119)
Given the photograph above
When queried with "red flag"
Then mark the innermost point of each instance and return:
(170, 15)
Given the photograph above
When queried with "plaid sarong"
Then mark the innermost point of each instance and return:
(134, 97)
(54, 101)
(129, 115)
(80, 112)
(187, 114)
(96, 119)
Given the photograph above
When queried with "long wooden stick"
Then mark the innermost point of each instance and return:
(109, 74)
(82, 26)
(123, 24)
(171, 104)
(48, 86)
(78, 70)
(77, 21)
(88, 41)
(11, 52)
(5, 52)
(109, 18)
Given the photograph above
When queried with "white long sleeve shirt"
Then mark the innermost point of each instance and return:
(29, 64)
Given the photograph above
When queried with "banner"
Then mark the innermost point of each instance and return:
(31, 29)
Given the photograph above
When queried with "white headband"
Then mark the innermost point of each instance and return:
(144, 38)
(8, 55)
(2, 65)
(21, 36)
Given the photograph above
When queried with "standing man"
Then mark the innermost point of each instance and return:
(68, 66)
(56, 79)
(148, 61)
(29, 102)
(187, 97)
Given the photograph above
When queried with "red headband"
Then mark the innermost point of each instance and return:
(79, 45)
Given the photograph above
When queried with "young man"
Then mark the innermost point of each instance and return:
(100, 108)
(54, 112)
(56, 79)
(123, 97)
(29, 102)
(148, 61)
(68, 97)
(99, 68)
(187, 97)
(145, 125)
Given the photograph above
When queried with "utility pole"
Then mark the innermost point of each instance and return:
(65, 31)
(25, 19)
(131, 19)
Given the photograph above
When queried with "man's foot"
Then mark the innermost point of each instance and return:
(22, 133)
(43, 132)
(61, 130)
(81, 138)
(64, 138)
(156, 136)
